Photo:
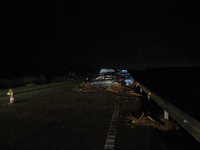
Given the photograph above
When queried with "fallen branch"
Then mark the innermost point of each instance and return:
(151, 118)
(148, 121)
(141, 116)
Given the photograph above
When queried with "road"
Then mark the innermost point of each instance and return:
(57, 117)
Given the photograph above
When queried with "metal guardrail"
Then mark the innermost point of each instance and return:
(186, 121)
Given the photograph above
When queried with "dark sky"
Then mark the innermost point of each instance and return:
(132, 34)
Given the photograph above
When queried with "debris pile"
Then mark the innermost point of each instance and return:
(161, 124)
(115, 87)
(132, 93)
(128, 84)
(83, 87)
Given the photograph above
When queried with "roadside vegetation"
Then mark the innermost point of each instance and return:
(37, 80)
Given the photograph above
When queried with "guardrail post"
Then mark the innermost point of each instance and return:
(149, 97)
(166, 115)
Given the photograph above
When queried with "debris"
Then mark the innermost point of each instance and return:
(83, 87)
(161, 124)
(132, 93)
(115, 87)
(128, 84)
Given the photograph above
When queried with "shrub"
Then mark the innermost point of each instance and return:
(59, 79)
(41, 79)
(18, 82)
(5, 83)
(72, 75)
(1, 84)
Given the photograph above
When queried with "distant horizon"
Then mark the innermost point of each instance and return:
(78, 69)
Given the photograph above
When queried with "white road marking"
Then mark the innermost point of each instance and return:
(109, 145)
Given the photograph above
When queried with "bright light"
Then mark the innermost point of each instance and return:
(124, 71)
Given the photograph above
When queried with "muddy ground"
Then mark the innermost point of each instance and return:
(61, 116)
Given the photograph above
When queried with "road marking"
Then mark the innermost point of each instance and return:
(109, 145)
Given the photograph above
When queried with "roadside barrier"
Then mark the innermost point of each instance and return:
(11, 97)
(190, 124)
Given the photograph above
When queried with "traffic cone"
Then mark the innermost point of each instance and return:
(11, 97)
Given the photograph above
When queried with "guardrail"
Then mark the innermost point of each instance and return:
(186, 121)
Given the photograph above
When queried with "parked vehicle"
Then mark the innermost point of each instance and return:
(127, 78)
(105, 80)
(106, 71)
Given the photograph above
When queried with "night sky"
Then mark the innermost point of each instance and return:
(132, 34)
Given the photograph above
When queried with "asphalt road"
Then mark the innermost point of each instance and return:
(57, 117)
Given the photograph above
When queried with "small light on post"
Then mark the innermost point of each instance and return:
(148, 96)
